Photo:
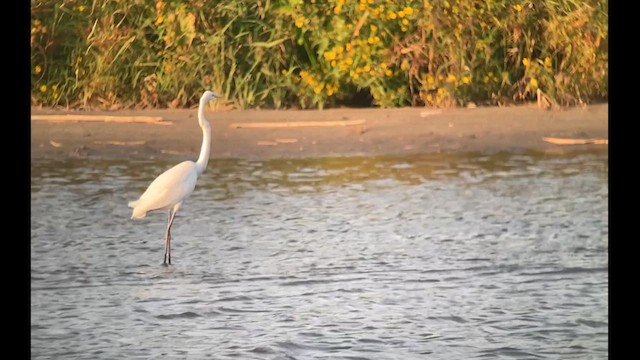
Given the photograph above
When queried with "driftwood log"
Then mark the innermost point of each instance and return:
(103, 118)
(290, 124)
(569, 141)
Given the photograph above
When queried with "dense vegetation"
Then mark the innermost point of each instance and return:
(293, 53)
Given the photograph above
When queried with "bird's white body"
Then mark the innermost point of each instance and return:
(168, 191)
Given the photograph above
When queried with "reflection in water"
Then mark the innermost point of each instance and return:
(445, 256)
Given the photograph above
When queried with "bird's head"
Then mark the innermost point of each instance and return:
(204, 100)
(209, 95)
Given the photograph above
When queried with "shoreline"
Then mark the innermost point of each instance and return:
(352, 132)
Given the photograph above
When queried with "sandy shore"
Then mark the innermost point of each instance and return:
(381, 131)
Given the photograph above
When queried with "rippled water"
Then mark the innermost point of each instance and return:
(430, 256)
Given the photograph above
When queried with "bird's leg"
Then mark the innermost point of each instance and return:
(167, 235)
(167, 241)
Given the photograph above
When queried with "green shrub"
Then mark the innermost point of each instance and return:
(142, 53)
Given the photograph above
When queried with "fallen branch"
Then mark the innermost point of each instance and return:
(566, 141)
(289, 124)
(123, 143)
(173, 152)
(277, 142)
(104, 118)
(426, 113)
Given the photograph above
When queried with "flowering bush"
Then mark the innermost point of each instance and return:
(155, 53)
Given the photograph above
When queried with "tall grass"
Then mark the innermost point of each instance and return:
(292, 53)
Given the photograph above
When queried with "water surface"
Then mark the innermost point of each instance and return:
(427, 256)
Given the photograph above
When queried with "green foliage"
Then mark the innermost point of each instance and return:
(283, 53)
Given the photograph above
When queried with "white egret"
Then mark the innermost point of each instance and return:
(172, 187)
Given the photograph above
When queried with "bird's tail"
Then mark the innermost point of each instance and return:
(138, 213)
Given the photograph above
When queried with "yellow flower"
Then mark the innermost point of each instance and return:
(383, 66)
(38, 69)
(388, 72)
(373, 40)
(403, 28)
(485, 79)
(330, 89)
(391, 15)
(54, 87)
(404, 66)
(43, 88)
(533, 82)
(338, 49)
(349, 61)
(547, 62)
(451, 78)
(401, 14)
(284, 72)
(333, 63)
(525, 62)
(300, 22)
(373, 28)
(159, 20)
(405, 22)
(330, 55)
(367, 68)
(429, 97)
(81, 8)
(430, 79)
(466, 79)
(517, 7)
(407, 10)
(349, 47)
(318, 89)
(303, 74)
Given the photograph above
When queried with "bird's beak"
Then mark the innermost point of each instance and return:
(216, 95)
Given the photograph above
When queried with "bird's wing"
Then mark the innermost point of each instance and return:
(171, 187)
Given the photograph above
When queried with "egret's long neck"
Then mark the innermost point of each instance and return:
(203, 159)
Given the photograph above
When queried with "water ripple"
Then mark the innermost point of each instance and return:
(429, 256)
